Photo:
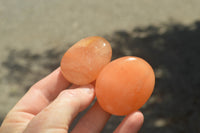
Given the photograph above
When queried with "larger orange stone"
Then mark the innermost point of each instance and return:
(84, 60)
(124, 85)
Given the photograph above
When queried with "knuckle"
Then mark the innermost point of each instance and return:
(70, 97)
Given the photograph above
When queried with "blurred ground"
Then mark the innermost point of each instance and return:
(34, 36)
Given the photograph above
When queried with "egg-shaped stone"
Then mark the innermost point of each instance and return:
(82, 62)
(124, 85)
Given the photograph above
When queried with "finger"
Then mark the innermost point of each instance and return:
(42, 93)
(37, 98)
(58, 115)
(131, 123)
(93, 121)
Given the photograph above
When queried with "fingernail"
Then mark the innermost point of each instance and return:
(88, 88)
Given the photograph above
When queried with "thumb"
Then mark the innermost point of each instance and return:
(58, 115)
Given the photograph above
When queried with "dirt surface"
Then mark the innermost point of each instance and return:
(35, 35)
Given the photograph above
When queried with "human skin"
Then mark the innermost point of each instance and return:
(49, 107)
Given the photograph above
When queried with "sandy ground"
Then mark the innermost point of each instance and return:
(35, 34)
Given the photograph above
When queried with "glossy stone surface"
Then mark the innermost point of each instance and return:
(124, 85)
(84, 60)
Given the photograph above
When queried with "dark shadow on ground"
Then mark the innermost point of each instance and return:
(172, 49)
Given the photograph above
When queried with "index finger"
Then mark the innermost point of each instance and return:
(42, 93)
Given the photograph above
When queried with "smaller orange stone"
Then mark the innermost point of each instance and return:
(124, 85)
(82, 62)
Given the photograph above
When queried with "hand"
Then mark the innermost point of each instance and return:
(48, 107)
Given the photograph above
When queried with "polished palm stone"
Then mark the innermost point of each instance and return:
(124, 85)
(82, 62)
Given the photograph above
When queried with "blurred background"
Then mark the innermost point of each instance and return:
(35, 34)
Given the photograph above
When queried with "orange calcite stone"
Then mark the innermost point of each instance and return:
(124, 85)
(82, 63)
